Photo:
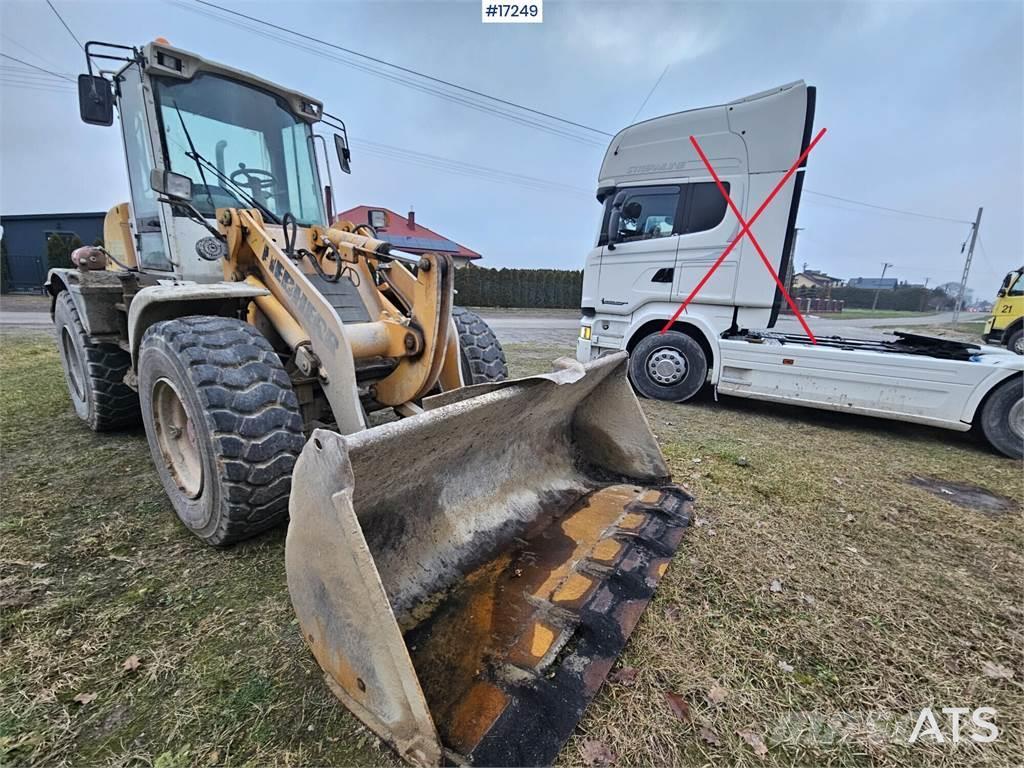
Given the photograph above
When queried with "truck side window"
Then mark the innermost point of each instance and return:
(705, 207)
(1017, 289)
(648, 213)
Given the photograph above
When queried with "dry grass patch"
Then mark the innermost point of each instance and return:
(889, 598)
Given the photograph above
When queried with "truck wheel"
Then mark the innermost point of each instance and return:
(668, 366)
(223, 425)
(1015, 343)
(94, 372)
(1002, 418)
(483, 359)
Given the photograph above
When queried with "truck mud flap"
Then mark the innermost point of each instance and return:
(467, 577)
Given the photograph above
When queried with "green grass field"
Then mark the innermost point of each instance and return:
(817, 587)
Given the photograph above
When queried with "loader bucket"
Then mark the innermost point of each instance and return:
(467, 577)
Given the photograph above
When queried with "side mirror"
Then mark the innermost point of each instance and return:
(1001, 293)
(95, 100)
(344, 154)
(612, 235)
(169, 184)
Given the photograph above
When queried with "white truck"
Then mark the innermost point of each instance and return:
(666, 223)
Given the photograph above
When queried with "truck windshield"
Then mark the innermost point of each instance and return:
(250, 135)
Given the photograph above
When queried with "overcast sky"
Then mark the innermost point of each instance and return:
(924, 105)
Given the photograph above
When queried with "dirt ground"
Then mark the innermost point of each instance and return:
(832, 585)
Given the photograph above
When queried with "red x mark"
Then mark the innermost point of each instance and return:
(745, 230)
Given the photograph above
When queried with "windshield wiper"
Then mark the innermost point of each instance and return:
(236, 189)
(192, 146)
(201, 161)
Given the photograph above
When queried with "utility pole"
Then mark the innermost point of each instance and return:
(885, 266)
(967, 268)
(924, 296)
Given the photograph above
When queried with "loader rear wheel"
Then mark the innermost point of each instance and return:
(94, 372)
(1002, 418)
(668, 366)
(223, 425)
(483, 359)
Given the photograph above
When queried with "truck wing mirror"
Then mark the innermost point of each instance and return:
(612, 235)
(95, 100)
(344, 154)
(176, 186)
(1001, 293)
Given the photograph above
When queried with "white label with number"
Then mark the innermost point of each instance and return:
(512, 13)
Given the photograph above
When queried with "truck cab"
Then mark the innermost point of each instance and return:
(665, 222)
(666, 240)
(1006, 325)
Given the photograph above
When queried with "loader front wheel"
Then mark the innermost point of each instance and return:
(483, 359)
(223, 425)
(94, 372)
(668, 366)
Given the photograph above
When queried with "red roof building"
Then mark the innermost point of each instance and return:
(405, 234)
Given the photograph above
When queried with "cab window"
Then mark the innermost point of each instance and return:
(647, 213)
(1016, 288)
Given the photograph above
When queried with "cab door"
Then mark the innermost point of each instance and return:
(1009, 303)
(639, 239)
(706, 229)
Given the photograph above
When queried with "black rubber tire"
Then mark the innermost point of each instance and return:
(694, 365)
(1004, 405)
(483, 359)
(94, 372)
(243, 420)
(1015, 341)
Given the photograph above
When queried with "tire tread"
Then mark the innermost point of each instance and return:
(481, 349)
(251, 412)
(115, 405)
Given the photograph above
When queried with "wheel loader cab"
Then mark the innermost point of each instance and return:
(243, 143)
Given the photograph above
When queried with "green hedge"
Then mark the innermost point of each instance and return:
(58, 250)
(543, 288)
(903, 298)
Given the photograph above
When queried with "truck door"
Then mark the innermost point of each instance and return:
(640, 236)
(706, 228)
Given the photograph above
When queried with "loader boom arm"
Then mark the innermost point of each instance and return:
(414, 331)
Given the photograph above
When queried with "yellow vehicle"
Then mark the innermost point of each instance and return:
(1006, 326)
(465, 572)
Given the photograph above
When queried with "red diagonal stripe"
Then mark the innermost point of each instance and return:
(753, 239)
(745, 225)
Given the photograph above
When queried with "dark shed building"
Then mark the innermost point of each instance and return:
(25, 238)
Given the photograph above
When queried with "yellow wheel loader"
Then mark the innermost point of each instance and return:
(466, 573)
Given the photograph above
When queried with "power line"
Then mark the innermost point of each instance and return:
(462, 168)
(407, 70)
(886, 208)
(35, 86)
(30, 52)
(61, 18)
(466, 101)
(651, 92)
(33, 66)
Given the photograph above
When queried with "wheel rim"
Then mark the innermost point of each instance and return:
(1016, 419)
(176, 437)
(76, 374)
(666, 366)
(1018, 345)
